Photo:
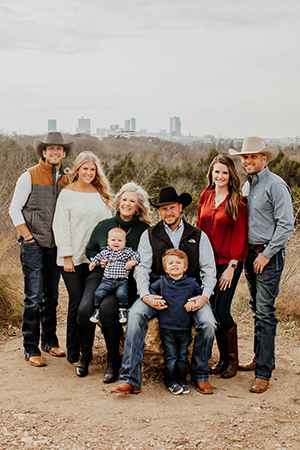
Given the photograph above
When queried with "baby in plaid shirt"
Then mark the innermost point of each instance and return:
(118, 260)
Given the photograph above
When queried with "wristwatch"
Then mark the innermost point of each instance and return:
(233, 265)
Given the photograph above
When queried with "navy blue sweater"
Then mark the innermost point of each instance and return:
(175, 293)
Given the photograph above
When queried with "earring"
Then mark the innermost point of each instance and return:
(136, 213)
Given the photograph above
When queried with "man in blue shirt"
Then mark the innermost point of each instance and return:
(270, 219)
(171, 232)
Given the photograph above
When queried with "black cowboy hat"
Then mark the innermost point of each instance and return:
(168, 195)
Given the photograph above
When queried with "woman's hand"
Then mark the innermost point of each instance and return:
(68, 264)
(226, 278)
(103, 262)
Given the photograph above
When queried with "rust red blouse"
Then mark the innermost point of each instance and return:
(228, 238)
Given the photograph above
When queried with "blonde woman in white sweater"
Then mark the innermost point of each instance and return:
(80, 206)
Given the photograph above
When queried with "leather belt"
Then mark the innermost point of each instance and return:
(259, 248)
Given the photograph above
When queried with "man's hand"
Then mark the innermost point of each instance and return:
(195, 303)
(260, 262)
(155, 301)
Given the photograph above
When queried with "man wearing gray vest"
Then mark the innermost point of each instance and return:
(171, 232)
(32, 209)
(270, 220)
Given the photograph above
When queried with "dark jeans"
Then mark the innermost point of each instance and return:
(109, 314)
(108, 285)
(175, 344)
(221, 300)
(75, 284)
(41, 278)
(263, 290)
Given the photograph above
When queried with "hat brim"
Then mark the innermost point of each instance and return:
(184, 199)
(39, 146)
(271, 152)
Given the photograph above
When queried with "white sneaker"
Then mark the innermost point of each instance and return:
(175, 389)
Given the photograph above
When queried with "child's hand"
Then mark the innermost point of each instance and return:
(130, 264)
(92, 265)
(103, 262)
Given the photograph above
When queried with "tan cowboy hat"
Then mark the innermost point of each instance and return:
(256, 145)
(54, 138)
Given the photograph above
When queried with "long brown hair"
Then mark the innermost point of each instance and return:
(100, 181)
(234, 186)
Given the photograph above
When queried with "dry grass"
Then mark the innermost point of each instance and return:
(11, 283)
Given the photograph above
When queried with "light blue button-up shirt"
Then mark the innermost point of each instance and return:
(270, 211)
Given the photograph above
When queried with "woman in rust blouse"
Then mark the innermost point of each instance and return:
(222, 215)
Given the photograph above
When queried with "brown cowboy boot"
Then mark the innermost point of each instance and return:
(233, 360)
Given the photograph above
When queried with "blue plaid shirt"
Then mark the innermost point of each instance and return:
(115, 261)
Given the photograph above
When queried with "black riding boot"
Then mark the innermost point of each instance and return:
(112, 335)
(86, 340)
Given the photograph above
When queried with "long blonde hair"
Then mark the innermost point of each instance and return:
(100, 181)
(143, 202)
(234, 186)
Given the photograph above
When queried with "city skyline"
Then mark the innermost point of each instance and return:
(225, 68)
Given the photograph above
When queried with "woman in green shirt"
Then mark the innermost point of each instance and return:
(132, 206)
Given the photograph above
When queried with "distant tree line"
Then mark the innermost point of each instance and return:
(151, 163)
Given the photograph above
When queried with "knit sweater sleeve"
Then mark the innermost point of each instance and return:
(61, 226)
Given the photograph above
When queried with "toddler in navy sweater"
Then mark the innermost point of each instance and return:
(175, 321)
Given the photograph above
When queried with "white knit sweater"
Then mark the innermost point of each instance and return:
(76, 215)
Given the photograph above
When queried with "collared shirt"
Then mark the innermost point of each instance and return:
(270, 211)
(206, 261)
(115, 261)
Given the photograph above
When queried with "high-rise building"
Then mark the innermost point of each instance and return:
(51, 125)
(175, 126)
(130, 124)
(84, 126)
(114, 127)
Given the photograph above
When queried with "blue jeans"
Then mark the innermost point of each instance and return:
(108, 285)
(137, 325)
(176, 351)
(263, 290)
(41, 278)
(75, 284)
(221, 300)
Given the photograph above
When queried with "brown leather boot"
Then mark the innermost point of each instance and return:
(233, 360)
(220, 366)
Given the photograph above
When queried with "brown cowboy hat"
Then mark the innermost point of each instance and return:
(256, 145)
(168, 195)
(54, 138)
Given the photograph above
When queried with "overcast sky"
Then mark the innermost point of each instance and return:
(227, 68)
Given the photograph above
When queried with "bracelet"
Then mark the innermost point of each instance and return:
(25, 237)
(28, 240)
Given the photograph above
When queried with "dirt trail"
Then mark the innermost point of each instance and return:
(51, 408)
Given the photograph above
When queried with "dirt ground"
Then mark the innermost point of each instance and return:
(51, 408)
